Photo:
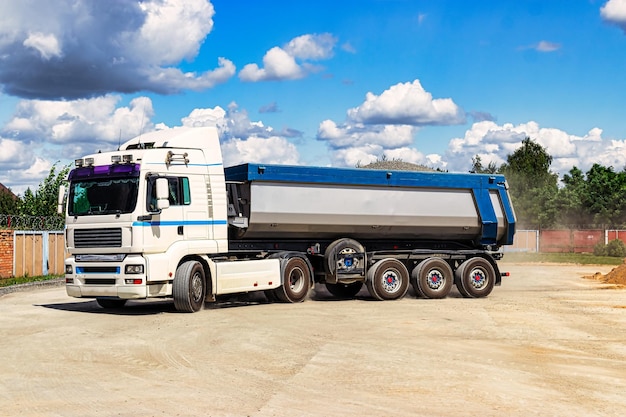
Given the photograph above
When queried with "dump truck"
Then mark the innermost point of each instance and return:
(161, 217)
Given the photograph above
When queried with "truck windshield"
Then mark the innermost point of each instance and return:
(102, 196)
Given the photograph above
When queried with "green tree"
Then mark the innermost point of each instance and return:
(478, 168)
(43, 202)
(605, 195)
(533, 187)
(572, 200)
(9, 203)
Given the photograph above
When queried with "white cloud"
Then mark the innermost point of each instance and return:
(278, 65)
(42, 132)
(243, 140)
(546, 46)
(173, 30)
(357, 135)
(291, 61)
(205, 117)
(272, 150)
(493, 143)
(47, 45)
(407, 103)
(14, 154)
(312, 47)
(79, 121)
(367, 153)
(614, 11)
(84, 48)
(386, 125)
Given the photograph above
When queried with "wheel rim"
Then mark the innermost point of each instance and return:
(348, 263)
(435, 279)
(391, 281)
(296, 280)
(478, 278)
(196, 287)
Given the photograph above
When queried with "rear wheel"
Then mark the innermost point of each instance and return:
(475, 278)
(344, 290)
(388, 280)
(296, 277)
(111, 302)
(432, 278)
(189, 287)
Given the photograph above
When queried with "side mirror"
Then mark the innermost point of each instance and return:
(61, 199)
(162, 193)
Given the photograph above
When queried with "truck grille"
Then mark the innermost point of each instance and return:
(98, 238)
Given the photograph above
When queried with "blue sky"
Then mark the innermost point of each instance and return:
(331, 83)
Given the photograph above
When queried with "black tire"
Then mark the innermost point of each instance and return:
(475, 278)
(345, 290)
(388, 280)
(341, 246)
(457, 281)
(189, 289)
(111, 302)
(432, 278)
(296, 280)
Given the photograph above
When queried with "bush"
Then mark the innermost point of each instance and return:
(615, 248)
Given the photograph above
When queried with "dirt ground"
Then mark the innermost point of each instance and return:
(546, 343)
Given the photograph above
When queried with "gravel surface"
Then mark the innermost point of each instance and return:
(547, 343)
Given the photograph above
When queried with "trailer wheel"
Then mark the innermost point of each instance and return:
(475, 278)
(388, 280)
(344, 290)
(111, 302)
(432, 278)
(296, 277)
(189, 287)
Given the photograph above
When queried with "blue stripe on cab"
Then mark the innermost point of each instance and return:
(180, 223)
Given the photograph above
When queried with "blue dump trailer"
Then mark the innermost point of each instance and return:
(376, 227)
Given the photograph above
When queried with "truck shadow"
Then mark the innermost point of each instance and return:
(132, 308)
(150, 307)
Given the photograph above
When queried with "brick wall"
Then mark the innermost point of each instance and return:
(6, 253)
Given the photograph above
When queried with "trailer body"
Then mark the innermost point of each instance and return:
(162, 217)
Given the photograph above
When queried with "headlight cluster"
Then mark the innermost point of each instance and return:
(133, 269)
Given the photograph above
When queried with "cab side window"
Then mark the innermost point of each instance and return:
(179, 192)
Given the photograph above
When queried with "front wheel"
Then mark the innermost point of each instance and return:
(296, 277)
(189, 287)
(475, 278)
(388, 280)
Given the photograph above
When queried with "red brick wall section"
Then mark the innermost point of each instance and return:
(6, 253)
(570, 241)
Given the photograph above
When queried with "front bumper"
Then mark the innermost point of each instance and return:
(97, 278)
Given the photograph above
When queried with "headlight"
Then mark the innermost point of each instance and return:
(69, 270)
(134, 269)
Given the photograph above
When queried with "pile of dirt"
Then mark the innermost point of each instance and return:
(616, 276)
